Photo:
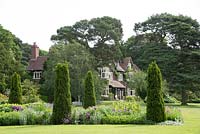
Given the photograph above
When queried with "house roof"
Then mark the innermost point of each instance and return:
(116, 84)
(37, 64)
(119, 68)
(125, 61)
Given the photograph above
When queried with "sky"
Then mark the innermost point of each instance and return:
(36, 20)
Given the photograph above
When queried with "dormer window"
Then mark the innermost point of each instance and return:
(120, 77)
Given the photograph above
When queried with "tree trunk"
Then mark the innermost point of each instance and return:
(184, 96)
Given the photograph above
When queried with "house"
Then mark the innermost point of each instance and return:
(117, 75)
(36, 63)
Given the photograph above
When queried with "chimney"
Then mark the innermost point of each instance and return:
(34, 51)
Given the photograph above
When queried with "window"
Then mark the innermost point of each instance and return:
(37, 75)
(132, 92)
(120, 77)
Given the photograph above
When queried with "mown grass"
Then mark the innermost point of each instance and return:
(191, 115)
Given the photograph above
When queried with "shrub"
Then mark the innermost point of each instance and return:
(173, 114)
(9, 118)
(125, 119)
(10, 107)
(155, 102)
(3, 98)
(130, 98)
(16, 90)
(125, 108)
(86, 116)
(35, 113)
(170, 99)
(62, 94)
(30, 92)
(89, 96)
(29, 114)
(116, 113)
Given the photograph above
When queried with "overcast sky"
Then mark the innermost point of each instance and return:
(36, 20)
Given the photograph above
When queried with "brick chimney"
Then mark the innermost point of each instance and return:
(34, 51)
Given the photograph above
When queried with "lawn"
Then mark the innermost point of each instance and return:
(191, 115)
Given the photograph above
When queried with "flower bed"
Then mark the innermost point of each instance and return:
(29, 114)
(119, 112)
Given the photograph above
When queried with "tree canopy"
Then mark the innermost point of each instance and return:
(172, 41)
(79, 59)
(104, 34)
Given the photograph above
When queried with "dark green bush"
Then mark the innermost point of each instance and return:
(62, 95)
(89, 94)
(16, 90)
(9, 118)
(155, 102)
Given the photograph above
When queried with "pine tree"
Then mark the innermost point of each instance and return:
(62, 95)
(89, 96)
(155, 102)
(16, 90)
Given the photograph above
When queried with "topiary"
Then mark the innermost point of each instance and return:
(62, 95)
(15, 95)
(89, 96)
(155, 102)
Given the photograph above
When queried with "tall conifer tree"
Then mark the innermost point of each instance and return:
(16, 90)
(89, 96)
(155, 102)
(62, 95)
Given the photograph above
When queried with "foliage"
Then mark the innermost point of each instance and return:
(181, 33)
(86, 116)
(16, 90)
(79, 60)
(99, 84)
(155, 102)
(104, 33)
(138, 82)
(30, 92)
(89, 91)
(62, 94)
(11, 118)
(173, 114)
(3, 98)
(10, 57)
(125, 119)
(29, 114)
(116, 113)
(35, 113)
(11, 107)
(170, 99)
(3, 86)
(110, 97)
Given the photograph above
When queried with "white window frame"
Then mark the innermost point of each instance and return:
(37, 75)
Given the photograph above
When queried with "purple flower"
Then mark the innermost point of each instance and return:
(87, 115)
(66, 121)
(17, 108)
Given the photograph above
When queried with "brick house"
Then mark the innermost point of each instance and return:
(36, 62)
(116, 75)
